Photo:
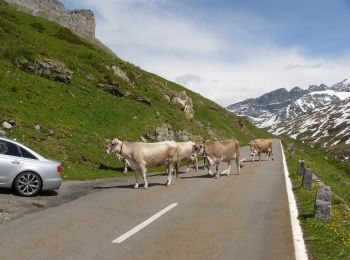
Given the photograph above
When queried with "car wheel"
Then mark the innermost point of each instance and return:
(28, 184)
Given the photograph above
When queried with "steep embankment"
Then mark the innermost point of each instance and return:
(81, 94)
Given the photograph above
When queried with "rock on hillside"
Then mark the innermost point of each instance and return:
(82, 22)
(280, 105)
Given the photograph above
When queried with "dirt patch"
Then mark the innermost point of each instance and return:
(13, 206)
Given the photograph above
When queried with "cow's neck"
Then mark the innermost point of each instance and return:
(126, 150)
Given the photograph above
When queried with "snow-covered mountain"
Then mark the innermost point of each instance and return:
(280, 105)
(327, 126)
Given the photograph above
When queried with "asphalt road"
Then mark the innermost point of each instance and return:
(234, 217)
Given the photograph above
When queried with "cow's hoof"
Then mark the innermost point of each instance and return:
(168, 184)
(145, 187)
(136, 186)
(216, 176)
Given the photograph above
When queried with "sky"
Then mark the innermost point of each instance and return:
(229, 50)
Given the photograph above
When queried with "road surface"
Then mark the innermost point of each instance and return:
(242, 216)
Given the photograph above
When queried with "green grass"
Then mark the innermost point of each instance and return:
(325, 239)
(77, 118)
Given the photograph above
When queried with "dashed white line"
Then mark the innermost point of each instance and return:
(144, 224)
(298, 239)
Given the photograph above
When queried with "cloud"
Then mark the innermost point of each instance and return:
(187, 79)
(226, 55)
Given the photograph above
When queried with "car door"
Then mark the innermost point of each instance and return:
(10, 161)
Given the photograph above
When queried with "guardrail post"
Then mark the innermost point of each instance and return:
(307, 179)
(323, 203)
(301, 167)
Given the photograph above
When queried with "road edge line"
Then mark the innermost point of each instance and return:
(143, 224)
(298, 238)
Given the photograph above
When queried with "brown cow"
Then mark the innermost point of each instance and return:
(222, 151)
(143, 155)
(259, 146)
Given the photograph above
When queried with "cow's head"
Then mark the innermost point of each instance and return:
(199, 148)
(252, 148)
(113, 146)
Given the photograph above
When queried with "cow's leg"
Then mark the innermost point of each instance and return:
(136, 178)
(125, 167)
(238, 163)
(253, 157)
(259, 157)
(143, 173)
(228, 167)
(271, 155)
(177, 164)
(196, 163)
(217, 173)
(169, 166)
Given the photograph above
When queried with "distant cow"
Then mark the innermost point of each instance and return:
(259, 146)
(125, 162)
(187, 153)
(222, 151)
(143, 155)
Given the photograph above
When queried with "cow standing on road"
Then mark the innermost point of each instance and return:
(187, 153)
(259, 146)
(222, 151)
(143, 155)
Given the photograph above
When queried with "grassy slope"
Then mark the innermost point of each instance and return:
(76, 118)
(325, 239)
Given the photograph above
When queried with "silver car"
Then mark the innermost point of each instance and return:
(27, 171)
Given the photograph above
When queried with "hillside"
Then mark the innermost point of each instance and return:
(280, 105)
(80, 95)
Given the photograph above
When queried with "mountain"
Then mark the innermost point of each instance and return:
(64, 96)
(327, 126)
(280, 105)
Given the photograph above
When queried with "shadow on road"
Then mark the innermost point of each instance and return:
(128, 186)
(197, 176)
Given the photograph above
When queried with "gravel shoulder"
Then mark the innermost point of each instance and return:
(13, 206)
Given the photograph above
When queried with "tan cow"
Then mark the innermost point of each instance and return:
(222, 151)
(259, 146)
(143, 155)
(187, 153)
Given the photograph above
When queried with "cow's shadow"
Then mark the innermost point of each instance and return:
(205, 176)
(109, 168)
(127, 186)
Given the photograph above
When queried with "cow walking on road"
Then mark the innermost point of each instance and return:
(143, 155)
(259, 146)
(222, 151)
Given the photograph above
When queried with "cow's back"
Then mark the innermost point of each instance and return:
(155, 154)
(225, 150)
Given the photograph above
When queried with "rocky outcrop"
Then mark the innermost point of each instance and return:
(48, 68)
(165, 133)
(82, 22)
(119, 92)
(184, 100)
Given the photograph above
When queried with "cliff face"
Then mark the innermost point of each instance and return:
(82, 22)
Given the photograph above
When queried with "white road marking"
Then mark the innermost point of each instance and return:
(298, 239)
(144, 224)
